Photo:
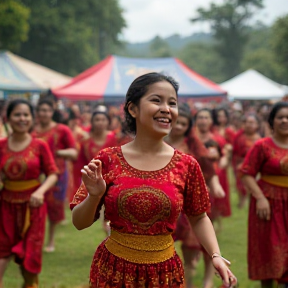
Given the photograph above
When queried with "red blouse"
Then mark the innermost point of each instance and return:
(59, 137)
(149, 202)
(267, 158)
(27, 164)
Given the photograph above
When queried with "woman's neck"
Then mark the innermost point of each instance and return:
(174, 140)
(20, 137)
(99, 134)
(281, 140)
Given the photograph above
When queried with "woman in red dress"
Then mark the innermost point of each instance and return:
(144, 185)
(243, 141)
(268, 212)
(22, 209)
(183, 139)
(62, 144)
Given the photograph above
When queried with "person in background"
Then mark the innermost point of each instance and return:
(22, 208)
(62, 144)
(242, 143)
(268, 213)
(144, 185)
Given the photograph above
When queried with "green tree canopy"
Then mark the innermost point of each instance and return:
(14, 25)
(159, 48)
(229, 22)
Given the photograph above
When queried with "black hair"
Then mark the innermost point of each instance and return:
(95, 113)
(47, 102)
(251, 114)
(215, 115)
(184, 111)
(276, 107)
(137, 90)
(201, 110)
(14, 103)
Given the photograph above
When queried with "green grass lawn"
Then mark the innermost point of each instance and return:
(68, 266)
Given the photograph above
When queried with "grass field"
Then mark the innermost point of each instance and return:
(68, 266)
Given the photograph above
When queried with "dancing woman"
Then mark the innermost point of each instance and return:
(22, 209)
(144, 185)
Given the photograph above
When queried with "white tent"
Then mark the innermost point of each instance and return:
(252, 85)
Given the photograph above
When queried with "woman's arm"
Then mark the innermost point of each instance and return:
(262, 204)
(204, 231)
(68, 154)
(83, 215)
(215, 187)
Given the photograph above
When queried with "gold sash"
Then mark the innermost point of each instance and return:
(277, 180)
(18, 186)
(141, 249)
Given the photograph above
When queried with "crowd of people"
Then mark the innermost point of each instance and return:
(104, 156)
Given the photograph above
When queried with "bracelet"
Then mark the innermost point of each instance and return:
(215, 254)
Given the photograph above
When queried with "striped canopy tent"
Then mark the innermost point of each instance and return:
(109, 80)
(20, 76)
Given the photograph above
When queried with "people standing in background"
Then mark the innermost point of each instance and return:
(62, 144)
(144, 185)
(268, 210)
(22, 208)
(243, 141)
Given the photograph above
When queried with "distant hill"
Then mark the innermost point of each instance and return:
(175, 43)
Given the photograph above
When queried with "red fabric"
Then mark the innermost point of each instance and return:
(59, 137)
(23, 165)
(147, 203)
(242, 144)
(267, 240)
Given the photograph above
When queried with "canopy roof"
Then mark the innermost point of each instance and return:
(21, 75)
(252, 85)
(109, 80)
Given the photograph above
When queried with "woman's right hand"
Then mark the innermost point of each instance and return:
(263, 210)
(92, 178)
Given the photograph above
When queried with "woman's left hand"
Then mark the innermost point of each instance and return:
(228, 278)
(36, 199)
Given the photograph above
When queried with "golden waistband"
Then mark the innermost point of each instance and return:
(19, 186)
(277, 180)
(141, 249)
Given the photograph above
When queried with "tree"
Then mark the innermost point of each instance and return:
(14, 25)
(280, 45)
(229, 23)
(159, 48)
(70, 35)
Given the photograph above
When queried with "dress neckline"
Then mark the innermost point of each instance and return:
(131, 168)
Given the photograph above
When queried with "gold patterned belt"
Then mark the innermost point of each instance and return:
(18, 186)
(141, 249)
(277, 180)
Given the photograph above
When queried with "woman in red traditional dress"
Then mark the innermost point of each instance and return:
(144, 185)
(183, 139)
(220, 152)
(62, 144)
(23, 213)
(221, 125)
(243, 141)
(268, 212)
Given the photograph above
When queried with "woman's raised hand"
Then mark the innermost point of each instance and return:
(92, 178)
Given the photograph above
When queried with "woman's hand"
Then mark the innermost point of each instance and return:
(92, 178)
(218, 191)
(263, 210)
(36, 199)
(229, 280)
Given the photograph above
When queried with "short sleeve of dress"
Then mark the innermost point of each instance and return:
(68, 139)
(196, 197)
(48, 165)
(82, 193)
(253, 160)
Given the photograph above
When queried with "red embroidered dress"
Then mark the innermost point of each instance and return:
(59, 137)
(144, 203)
(25, 165)
(268, 240)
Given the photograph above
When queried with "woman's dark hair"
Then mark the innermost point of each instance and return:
(184, 111)
(137, 90)
(14, 103)
(276, 107)
(251, 114)
(45, 101)
(95, 113)
(215, 115)
(201, 110)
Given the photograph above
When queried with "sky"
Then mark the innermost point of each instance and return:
(148, 18)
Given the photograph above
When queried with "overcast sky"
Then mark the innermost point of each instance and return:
(148, 18)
